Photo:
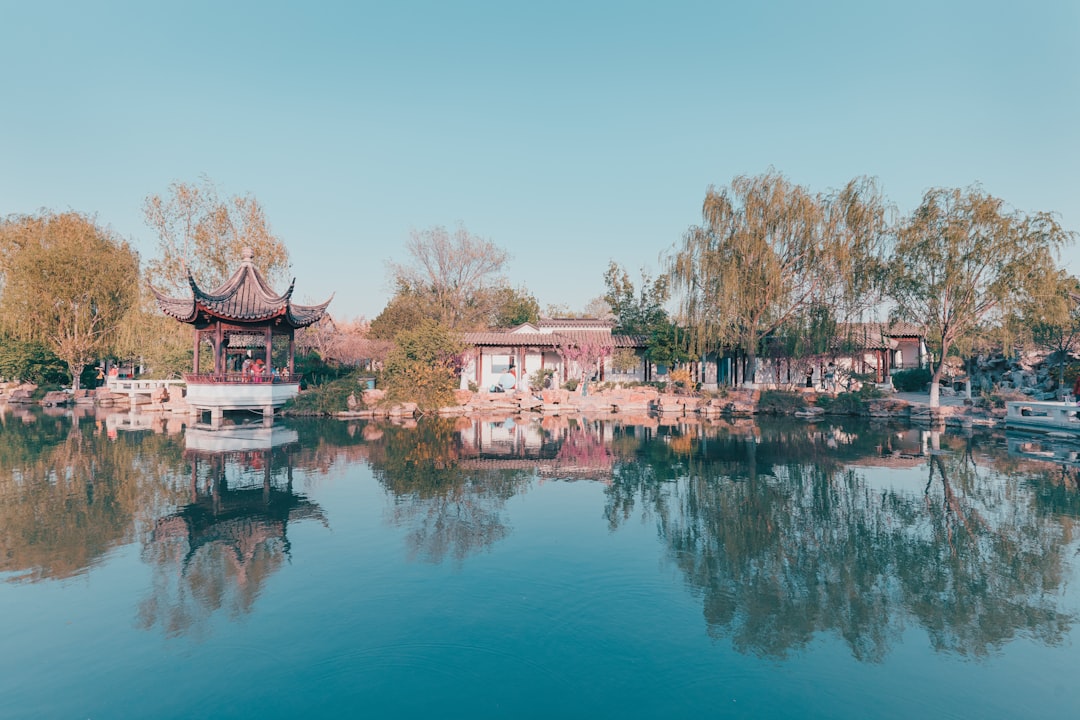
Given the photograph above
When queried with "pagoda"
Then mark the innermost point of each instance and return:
(239, 321)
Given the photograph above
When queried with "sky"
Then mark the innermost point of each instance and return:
(570, 134)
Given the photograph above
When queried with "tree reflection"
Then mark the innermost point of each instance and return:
(784, 541)
(68, 494)
(452, 504)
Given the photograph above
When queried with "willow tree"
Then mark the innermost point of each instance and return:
(960, 258)
(769, 250)
(66, 282)
(201, 231)
(1050, 316)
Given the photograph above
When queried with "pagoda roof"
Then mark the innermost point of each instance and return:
(244, 298)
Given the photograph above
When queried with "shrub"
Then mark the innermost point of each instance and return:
(681, 378)
(870, 391)
(328, 398)
(422, 366)
(541, 378)
(31, 362)
(913, 380)
(570, 384)
(847, 403)
(779, 402)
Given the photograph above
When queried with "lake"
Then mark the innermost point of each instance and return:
(528, 568)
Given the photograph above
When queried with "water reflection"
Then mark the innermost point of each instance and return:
(785, 538)
(216, 551)
(69, 494)
(784, 531)
(450, 502)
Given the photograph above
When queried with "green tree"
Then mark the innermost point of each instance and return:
(960, 258)
(67, 283)
(423, 365)
(668, 345)
(642, 312)
(405, 310)
(637, 312)
(768, 250)
(513, 307)
(30, 361)
(200, 231)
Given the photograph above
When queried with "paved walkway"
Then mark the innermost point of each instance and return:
(922, 398)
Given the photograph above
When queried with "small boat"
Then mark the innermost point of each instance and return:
(1043, 416)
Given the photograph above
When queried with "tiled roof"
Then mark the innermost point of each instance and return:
(876, 335)
(243, 298)
(561, 338)
(576, 323)
(902, 328)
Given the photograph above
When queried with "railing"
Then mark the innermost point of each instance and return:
(240, 379)
(138, 386)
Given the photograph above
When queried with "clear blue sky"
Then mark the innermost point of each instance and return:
(569, 133)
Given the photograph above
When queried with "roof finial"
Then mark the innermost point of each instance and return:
(248, 254)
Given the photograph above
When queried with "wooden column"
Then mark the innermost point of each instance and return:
(269, 350)
(292, 352)
(218, 335)
(195, 354)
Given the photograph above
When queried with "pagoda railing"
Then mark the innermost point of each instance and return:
(240, 379)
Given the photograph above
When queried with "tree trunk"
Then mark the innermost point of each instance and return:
(935, 387)
(750, 371)
(76, 371)
(970, 375)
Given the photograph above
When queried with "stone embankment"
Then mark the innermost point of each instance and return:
(648, 401)
(24, 394)
(633, 402)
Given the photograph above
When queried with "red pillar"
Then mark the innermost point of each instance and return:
(292, 352)
(269, 350)
(195, 354)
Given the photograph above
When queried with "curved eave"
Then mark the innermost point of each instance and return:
(182, 309)
(300, 316)
(240, 318)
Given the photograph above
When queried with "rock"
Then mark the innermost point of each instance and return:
(373, 397)
(19, 397)
(56, 398)
(403, 410)
(463, 397)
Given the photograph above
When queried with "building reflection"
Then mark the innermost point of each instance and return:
(216, 552)
(551, 447)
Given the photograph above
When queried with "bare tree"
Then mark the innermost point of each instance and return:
(453, 273)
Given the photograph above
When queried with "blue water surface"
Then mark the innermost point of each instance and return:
(563, 568)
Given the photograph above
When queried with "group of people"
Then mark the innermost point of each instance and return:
(257, 368)
(828, 378)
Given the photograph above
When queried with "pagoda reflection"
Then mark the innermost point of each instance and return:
(217, 551)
